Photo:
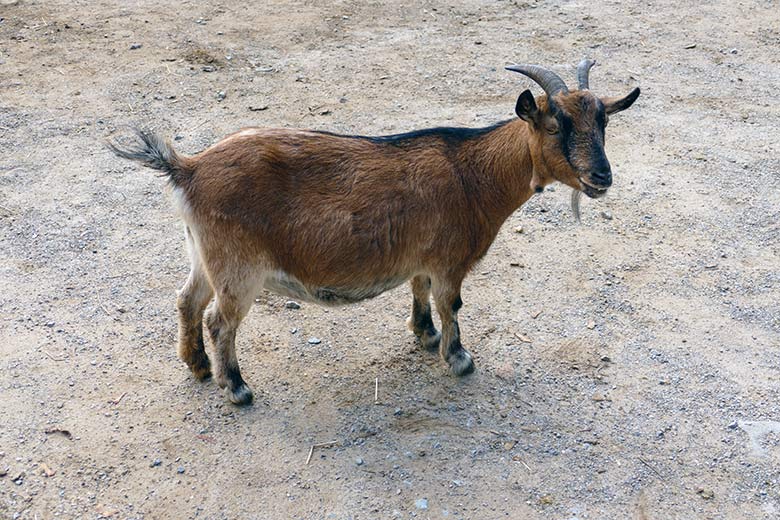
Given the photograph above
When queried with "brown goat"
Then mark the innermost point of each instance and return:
(335, 219)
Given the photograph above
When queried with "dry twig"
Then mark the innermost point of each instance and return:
(319, 445)
(53, 358)
(121, 275)
(643, 461)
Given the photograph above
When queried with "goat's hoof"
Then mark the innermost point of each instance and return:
(201, 369)
(241, 395)
(430, 341)
(461, 363)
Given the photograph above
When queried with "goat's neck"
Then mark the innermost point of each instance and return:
(503, 168)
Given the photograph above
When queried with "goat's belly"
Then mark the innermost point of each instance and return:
(285, 284)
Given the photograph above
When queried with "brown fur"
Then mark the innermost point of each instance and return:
(336, 219)
(379, 209)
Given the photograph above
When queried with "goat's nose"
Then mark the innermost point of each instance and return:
(602, 179)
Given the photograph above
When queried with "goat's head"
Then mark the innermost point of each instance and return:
(567, 130)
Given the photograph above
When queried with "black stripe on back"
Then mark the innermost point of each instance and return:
(450, 135)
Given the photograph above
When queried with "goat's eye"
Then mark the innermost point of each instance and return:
(552, 130)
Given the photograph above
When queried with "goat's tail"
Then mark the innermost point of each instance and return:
(154, 152)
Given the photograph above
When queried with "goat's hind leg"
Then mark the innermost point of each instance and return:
(222, 319)
(421, 322)
(192, 300)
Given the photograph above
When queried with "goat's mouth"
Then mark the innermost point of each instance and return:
(592, 191)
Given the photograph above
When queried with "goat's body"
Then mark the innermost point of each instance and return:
(334, 219)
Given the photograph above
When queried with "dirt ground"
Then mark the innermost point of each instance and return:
(627, 367)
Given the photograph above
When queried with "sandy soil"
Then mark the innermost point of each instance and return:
(627, 367)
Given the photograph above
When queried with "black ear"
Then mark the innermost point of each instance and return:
(526, 107)
(616, 104)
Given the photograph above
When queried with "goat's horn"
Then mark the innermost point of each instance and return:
(583, 69)
(548, 80)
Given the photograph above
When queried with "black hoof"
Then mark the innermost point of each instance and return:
(430, 340)
(241, 395)
(201, 369)
(461, 363)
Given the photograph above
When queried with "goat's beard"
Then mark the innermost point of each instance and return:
(576, 195)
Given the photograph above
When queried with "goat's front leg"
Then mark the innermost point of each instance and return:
(421, 322)
(448, 303)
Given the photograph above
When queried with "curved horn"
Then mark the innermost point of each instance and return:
(548, 80)
(583, 69)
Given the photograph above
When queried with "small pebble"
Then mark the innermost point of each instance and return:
(155, 463)
(706, 494)
(314, 341)
(421, 503)
(221, 95)
(135, 46)
(358, 461)
(606, 215)
(292, 305)
(180, 470)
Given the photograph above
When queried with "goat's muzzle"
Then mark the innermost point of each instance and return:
(596, 190)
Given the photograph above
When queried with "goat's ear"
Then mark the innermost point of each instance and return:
(616, 104)
(526, 107)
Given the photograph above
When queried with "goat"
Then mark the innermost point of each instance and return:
(335, 219)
